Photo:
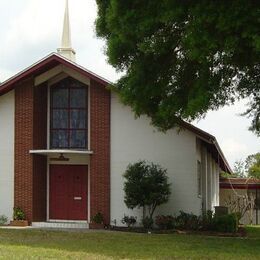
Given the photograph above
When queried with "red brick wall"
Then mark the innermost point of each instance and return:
(23, 178)
(40, 162)
(30, 133)
(100, 145)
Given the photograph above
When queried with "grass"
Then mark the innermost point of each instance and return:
(43, 244)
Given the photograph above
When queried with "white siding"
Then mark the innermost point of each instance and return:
(7, 106)
(135, 139)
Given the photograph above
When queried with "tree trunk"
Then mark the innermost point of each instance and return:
(144, 212)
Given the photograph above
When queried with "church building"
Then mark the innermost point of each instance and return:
(66, 141)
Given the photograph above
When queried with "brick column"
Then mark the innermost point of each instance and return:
(100, 145)
(30, 133)
(23, 178)
(40, 162)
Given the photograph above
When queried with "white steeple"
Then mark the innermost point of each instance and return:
(66, 49)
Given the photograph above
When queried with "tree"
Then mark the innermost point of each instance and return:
(253, 165)
(248, 168)
(239, 169)
(183, 58)
(146, 186)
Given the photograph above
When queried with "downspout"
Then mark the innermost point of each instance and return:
(256, 195)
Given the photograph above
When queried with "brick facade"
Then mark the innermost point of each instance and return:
(100, 145)
(31, 133)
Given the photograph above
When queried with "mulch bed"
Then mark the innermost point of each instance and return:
(240, 233)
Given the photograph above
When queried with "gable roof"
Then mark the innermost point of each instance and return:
(212, 145)
(54, 59)
(45, 64)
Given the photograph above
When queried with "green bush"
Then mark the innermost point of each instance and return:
(226, 223)
(3, 220)
(207, 220)
(165, 222)
(146, 186)
(98, 218)
(188, 221)
(18, 214)
(147, 222)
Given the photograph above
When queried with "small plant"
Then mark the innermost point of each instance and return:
(147, 222)
(165, 222)
(98, 218)
(18, 214)
(129, 220)
(3, 220)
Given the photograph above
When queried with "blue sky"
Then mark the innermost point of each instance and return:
(31, 29)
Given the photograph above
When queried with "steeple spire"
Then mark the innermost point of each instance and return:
(66, 49)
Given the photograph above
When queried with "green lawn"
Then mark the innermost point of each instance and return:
(42, 244)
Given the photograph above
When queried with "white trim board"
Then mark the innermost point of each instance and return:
(58, 151)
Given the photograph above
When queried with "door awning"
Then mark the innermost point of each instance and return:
(60, 151)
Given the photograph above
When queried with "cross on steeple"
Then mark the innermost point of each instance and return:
(66, 50)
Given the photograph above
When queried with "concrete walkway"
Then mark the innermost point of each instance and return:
(57, 229)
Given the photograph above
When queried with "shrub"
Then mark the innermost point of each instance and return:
(188, 221)
(207, 220)
(165, 222)
(18, 214)
(147, 222)
(146, 186)
(3, 220)
(129, 220)
(98, 218)
(226, 223)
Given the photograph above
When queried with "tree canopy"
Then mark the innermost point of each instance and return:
(253, 165)
(146, 185)
(183, 58)
(250, 167)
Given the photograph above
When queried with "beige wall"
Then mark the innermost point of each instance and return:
(225, 194)
(135, 139)
(7, 106)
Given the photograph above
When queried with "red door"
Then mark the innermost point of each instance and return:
(68, 192)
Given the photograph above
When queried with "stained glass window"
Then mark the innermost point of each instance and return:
(68, 113)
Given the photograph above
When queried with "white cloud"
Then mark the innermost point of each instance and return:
(235, 149)
(34, 30)
(231, 130)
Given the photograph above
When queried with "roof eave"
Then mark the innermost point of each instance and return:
(8, 84)
(211, 139)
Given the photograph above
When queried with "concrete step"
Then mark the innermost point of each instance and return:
(54, 224)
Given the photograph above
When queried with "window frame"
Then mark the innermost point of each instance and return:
(69, 84)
